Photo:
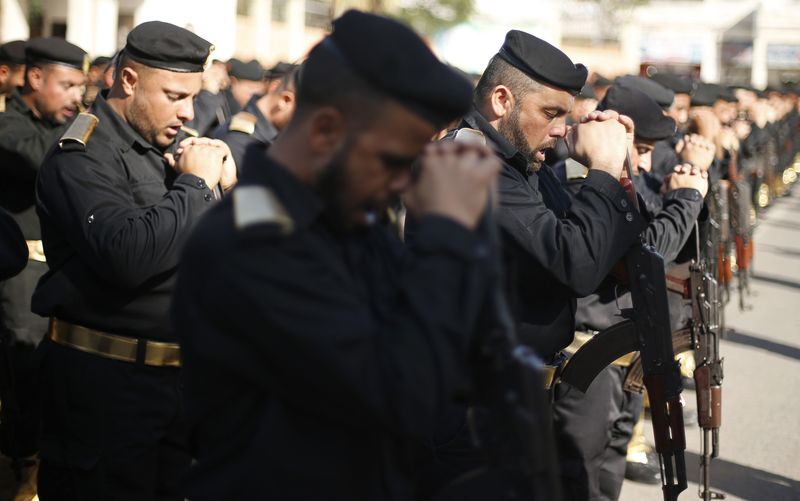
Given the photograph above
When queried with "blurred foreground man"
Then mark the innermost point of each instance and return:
(317, 350)
(115, 210)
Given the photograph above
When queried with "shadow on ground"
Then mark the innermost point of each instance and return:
(743, 481)
(775, 347)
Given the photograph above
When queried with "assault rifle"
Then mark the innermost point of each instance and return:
(647, 330)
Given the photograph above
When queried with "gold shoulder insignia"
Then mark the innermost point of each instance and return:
(575, 170)
(243, 122)
(255, 205)
(2, 103)
(189, 131)
(78, 133)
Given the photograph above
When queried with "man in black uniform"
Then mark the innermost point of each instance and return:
(262, 118)
(12, 69)
(555, 252)
(115, 212)
(35, 117)
(332, 350)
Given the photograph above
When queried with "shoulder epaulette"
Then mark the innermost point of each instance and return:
(78, 133)
(258, 205)
(2, 103)
(189, 131)
(470, 136)
(575, 170)
(243, 122)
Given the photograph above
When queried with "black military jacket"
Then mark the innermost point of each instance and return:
(114, 218)
(555, 250)
(238, 141)
(24, 141)
(314, 361)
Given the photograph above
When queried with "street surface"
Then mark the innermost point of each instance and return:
(760, 433)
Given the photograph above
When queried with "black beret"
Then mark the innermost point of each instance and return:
(675, 83)
(281, 68)
(246, 71)
(394, 60)
(542, 61)
(660, 94)
(54, 50)
(13, 52)
(168, 47)
(705, 94)
(649, 120)
(587, 92)
(100, 61)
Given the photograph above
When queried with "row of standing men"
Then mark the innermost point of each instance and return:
(305, 350)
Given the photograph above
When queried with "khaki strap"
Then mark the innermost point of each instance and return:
(113, 346)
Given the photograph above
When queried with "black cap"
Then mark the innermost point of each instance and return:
(54, 50)
(246, 71)
(660, 94)
(280, 69)
(706, 94)
(648, 118)
(13, 52)
(542, 61)
(587, 92)
(168, 47)
(675, 83)
(100, 61)
(394, 60)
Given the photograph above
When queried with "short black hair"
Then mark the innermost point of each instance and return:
(326, 79)
(500, 72)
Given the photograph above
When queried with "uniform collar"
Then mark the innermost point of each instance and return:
(301, 202)
(119, 128)
(501, 146)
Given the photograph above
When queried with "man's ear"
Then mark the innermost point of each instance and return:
(327, 132)
(501, 101)
(35, 78)
(128, 80)
(286, 100)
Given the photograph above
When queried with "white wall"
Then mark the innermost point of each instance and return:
(214, 20)
(13, 24)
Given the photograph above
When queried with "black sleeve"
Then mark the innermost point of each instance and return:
(27, 144)
(579, 249)
(13, 251)
(93, 205)
(670, 228)
(287, 317)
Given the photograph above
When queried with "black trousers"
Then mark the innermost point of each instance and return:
(592, 435)
(21, 331)
(110, 430)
